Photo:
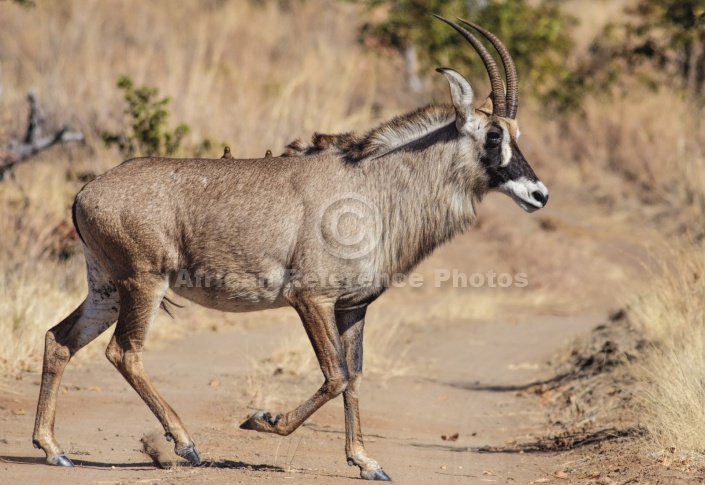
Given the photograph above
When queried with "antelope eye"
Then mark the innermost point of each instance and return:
(494, 138)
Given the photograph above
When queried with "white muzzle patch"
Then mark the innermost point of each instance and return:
(530, 196)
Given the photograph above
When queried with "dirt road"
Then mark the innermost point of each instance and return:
(466, 387)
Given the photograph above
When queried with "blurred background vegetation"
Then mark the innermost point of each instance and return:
(611, 108)
(655, 42)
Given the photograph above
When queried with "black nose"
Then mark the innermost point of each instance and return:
(539, 197)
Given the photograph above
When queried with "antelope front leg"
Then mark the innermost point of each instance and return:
(318, 318)
(350, 325)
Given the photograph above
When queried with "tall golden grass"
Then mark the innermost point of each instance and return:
(34, 287)
(670, 315)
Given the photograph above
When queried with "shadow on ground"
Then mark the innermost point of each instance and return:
(232, 464)
(565, 442)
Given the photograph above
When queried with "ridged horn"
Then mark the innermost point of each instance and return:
(499, 108)
(509, 68)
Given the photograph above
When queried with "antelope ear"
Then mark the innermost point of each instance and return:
(488, 106)
(460, 94)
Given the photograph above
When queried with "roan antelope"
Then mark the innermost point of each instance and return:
(317, 228)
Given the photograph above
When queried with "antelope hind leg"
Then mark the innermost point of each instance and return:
(97, 313)
(140, 297)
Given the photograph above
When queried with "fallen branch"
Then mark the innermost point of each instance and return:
(33, 142)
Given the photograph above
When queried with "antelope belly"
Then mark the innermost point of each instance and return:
(231, 293)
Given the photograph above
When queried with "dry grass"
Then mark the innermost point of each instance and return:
(673, 404)
(670, 315)
(34, 286)
(673, 308)
(645, 146)
(30, 302)
(243, 72)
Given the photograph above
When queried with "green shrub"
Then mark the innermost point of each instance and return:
(662, 43)
(145, 132)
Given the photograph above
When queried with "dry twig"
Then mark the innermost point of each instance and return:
(33, 142)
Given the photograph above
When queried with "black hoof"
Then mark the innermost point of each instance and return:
(60, 460)
(249, 423)
(260, 420)
(189, 453)
(379, 475)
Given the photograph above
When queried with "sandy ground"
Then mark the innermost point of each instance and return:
(101, 420)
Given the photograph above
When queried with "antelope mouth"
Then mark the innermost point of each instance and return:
(529, 195)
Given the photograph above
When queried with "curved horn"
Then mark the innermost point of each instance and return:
(499, 107)
(509, 68)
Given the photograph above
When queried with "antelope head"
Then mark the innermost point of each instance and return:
(490, 133)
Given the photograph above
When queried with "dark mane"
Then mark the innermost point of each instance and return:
(388, 136)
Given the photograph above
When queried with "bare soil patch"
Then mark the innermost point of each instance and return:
(592, 407)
